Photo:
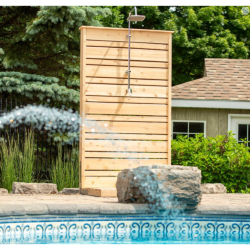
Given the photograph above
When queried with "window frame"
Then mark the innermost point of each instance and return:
(204, 122)
(234, 120)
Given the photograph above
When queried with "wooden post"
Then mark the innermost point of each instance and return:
(82, 161)
(169, 97)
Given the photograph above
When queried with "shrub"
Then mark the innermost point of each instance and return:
(221, 159)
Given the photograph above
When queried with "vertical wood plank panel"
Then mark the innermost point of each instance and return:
(179, 113)
(191, 114)
(201, 115)
(223, 121)
(212, 122)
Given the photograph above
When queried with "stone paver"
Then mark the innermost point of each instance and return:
(235, 204)
(54, 199)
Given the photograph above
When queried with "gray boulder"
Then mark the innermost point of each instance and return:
(34, 188)
(69, 191)
(162, 186)
(213, 188)
(3, 191)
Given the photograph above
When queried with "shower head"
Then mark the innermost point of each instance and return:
(136, 18)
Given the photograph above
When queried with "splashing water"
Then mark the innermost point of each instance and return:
(40, 116)
(55, 120)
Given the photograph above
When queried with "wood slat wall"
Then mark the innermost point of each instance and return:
(122, 131)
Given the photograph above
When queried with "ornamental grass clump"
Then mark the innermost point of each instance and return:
(221, 159)
(27, 158)
(65, 169)
(9, 155)
(17, 163)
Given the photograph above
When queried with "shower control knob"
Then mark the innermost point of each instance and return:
(129, 91)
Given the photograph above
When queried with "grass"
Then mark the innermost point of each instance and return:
(9, 154)
(17, 164)
(65, 169)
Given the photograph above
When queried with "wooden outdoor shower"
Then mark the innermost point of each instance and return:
(142, 121)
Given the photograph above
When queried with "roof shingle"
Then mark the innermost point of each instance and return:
(224, 79)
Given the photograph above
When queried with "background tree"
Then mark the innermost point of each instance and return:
(43, 41)
(206, 32)
(199, 32)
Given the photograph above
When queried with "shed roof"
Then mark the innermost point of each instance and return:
(224, 79)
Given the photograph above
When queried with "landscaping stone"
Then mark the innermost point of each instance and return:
(62, 208)
(3, 191)
(69, 191)
(161, 186)
(34, 188)
(213, 188)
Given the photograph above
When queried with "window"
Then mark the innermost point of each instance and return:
(244, 133)
(239, 124)
(189, 128)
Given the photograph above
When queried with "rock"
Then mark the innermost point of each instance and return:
(213, 188)
(34, 188)
(69, 191)
(3, 191)
(162, 187)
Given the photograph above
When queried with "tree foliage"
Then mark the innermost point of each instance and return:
(41, 42)
(206, 32)
(39, 89)
(44, 40)
(199, 32)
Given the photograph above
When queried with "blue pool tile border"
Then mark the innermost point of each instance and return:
(125, 217)
(123, 228)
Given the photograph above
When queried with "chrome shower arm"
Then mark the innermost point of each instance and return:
(132, 10)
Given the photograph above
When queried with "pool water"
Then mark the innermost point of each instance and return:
(124, 229)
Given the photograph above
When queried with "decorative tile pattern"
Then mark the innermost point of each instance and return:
(115, 229)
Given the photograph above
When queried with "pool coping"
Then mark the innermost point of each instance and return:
(111, 209)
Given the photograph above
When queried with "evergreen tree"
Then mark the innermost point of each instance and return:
(43, 41)
(31, 88)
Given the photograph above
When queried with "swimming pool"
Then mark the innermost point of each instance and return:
(114, 229)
